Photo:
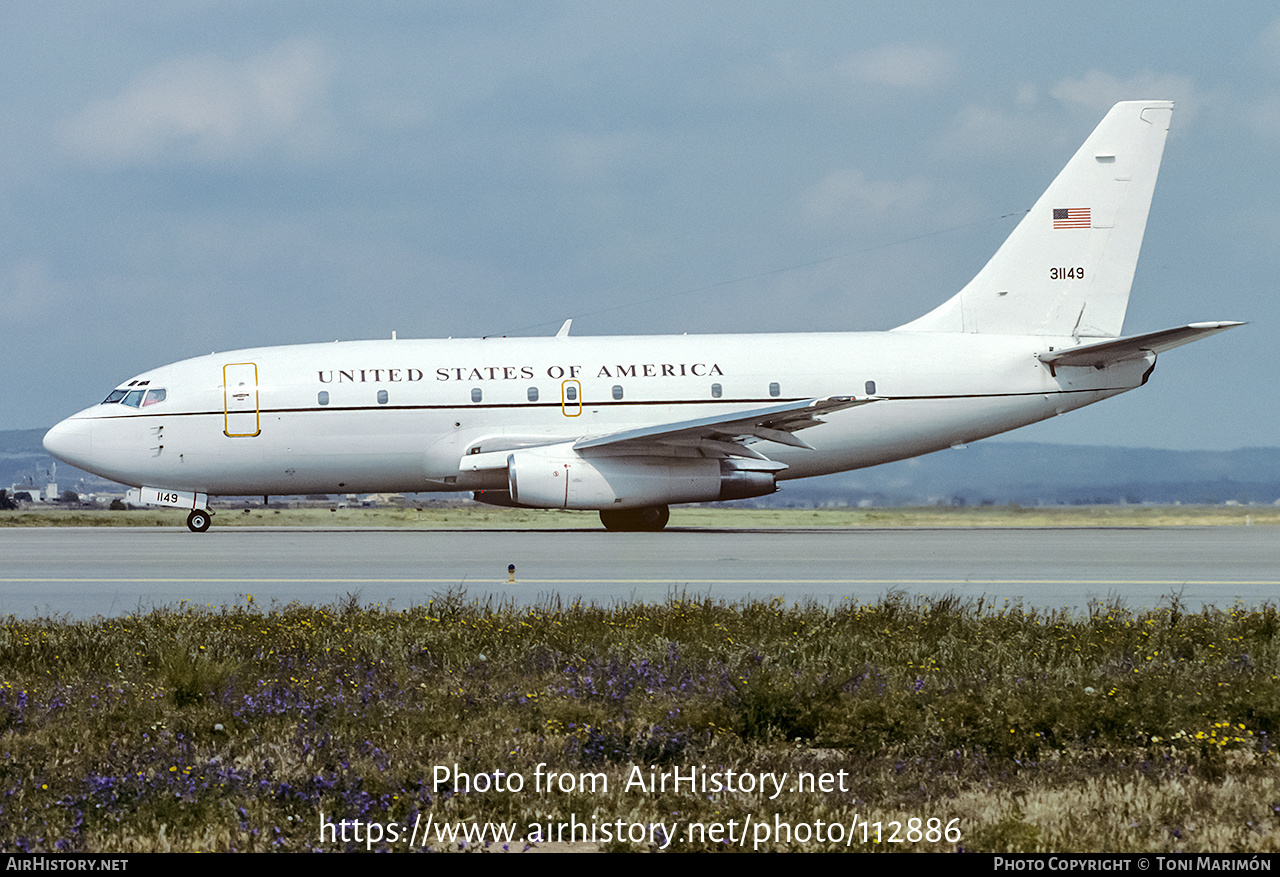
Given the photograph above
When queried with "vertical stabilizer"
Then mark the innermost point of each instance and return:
(1067, 268)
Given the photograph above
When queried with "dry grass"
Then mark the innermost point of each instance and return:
(236, 728)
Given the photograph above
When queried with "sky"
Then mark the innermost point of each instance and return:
(181, 177)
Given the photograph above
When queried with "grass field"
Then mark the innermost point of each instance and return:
(488, 517)
(932, 725)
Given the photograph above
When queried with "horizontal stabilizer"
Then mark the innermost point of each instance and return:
(1100, 354)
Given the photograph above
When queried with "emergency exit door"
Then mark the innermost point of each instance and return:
(571, 398)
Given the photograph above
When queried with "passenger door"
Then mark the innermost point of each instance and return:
(240, 400)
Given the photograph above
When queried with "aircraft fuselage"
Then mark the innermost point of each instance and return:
(375, 416)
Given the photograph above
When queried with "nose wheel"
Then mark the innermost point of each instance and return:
(199, 520)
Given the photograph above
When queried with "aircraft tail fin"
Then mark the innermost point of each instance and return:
(1068, 266)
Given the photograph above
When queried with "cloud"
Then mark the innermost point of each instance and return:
(847, 198)
(986, 131)
(1263, 117)
(29, 296)
(1097, 91)
(1031, 126)
(890, 69)
(1268, 45)
(583, 156)
(900, 66)
(211, 111)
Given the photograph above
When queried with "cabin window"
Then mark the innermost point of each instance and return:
(571, 393)
(323, 397)
(383, 397)
(476, 394)
(716, 391)
(533, 394)
(617, 391)
(775, 389)
(871, 388)
(133, 398)
(114, 396)
(153, 396)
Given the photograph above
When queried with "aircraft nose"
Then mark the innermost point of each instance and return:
(70, 441)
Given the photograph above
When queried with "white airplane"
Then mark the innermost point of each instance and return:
(630, 425)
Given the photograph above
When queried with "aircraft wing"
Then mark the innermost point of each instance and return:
(775, 423)
(1100, 354)
(723, 434)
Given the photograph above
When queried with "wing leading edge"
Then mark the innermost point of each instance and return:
(722, 435)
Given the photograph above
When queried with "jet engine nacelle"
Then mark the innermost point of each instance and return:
(559, 477)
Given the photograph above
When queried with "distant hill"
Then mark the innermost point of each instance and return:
(1029, 473)
(997, 472)
(24, 462)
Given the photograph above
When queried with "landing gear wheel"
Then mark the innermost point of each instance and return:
(615, 519)
(653, 518)
(650, 519)
(199, 520)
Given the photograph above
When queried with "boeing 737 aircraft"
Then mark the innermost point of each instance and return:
(631, 425)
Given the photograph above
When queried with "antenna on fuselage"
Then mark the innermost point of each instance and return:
(564, 330)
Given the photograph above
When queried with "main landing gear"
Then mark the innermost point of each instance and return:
(199, 520)
(650, 519)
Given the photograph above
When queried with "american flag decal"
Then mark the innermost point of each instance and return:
(1071, 217)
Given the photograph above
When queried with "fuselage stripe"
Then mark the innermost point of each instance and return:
(656, 403)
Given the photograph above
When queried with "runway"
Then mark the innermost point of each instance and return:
(85, 572)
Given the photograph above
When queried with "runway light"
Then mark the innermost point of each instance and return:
(511, 573)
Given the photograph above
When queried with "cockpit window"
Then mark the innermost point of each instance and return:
(139, 398)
